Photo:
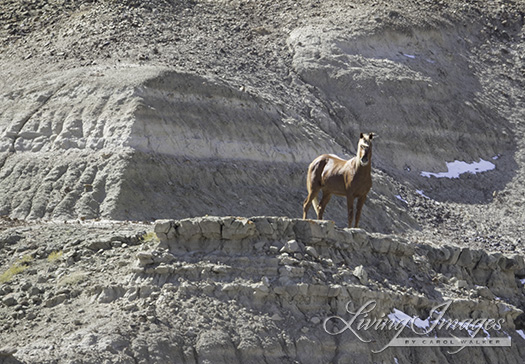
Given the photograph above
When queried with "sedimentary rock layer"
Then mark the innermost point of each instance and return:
(237, 290)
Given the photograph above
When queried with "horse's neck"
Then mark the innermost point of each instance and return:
(364, 169)
(354, 161)
(360, 169)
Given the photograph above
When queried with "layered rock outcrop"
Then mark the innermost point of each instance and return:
(229, 289)
(92, 143)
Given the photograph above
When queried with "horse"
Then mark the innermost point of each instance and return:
(336, 176)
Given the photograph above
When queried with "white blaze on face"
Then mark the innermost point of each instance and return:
(362, 151)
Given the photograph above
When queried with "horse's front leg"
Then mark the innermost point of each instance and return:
(350, 207)
(360, 202)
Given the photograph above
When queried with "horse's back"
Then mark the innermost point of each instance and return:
(326, 158)
(327, 171)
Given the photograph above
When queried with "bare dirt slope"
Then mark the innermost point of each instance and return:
(145, 110)
(128, 94)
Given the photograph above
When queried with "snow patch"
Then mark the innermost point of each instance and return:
(420, 192)
(521, 333)
(399, 316)
(401, 199)
(456, 168)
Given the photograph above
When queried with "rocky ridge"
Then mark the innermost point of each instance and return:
(231, 289)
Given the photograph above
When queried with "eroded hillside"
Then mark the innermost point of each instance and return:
(147, 110)
(129, 94)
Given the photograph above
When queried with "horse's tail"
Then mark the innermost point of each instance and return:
(313, 181)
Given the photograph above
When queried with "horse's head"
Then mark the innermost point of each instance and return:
(364, 148)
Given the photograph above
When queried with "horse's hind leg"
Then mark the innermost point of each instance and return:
(312, 194)
(322, 205)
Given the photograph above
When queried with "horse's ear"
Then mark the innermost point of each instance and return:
(372, 135)
(361, 136)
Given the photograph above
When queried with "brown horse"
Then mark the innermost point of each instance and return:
(333, 175)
